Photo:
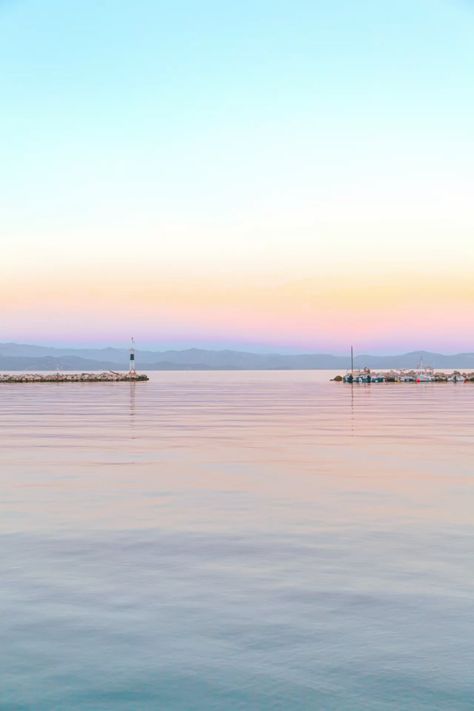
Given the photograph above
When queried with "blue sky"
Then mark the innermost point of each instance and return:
(254, 142)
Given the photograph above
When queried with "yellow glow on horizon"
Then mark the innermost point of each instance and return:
(363, 305)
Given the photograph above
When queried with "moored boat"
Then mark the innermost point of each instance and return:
(456, 377)
(378, 378)
(424, 377)
(363, 376)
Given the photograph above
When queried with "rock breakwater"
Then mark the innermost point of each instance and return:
(109, 377)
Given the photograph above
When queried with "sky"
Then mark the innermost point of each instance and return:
(287, 175)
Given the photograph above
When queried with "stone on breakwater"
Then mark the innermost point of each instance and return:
(110, 377)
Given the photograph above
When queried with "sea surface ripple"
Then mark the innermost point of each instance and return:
(237, 540)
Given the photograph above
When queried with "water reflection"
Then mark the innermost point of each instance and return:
(237, 540)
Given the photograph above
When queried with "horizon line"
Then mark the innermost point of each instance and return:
(283, 350)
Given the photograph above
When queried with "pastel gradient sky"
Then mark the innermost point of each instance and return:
(263, 174)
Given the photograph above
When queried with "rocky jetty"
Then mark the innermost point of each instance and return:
(109, 377)
(420, 375)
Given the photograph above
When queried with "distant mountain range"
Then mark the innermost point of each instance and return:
(15, 356)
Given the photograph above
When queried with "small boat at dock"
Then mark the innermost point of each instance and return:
(420, 374)
(364, 376)
(456, 377)
(427, 375)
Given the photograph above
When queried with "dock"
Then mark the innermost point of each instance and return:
(425, 375)
(108, 377)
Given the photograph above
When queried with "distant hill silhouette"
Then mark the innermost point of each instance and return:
(15, 356)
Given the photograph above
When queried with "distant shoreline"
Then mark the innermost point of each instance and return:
(31, 358)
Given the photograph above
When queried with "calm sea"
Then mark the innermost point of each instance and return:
(225, 541)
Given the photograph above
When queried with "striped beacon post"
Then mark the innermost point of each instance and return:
(132, 372)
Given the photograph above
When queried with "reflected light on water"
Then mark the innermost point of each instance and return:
(242, 540)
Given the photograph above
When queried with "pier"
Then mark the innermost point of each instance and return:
(425, 375)
(108, 377)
